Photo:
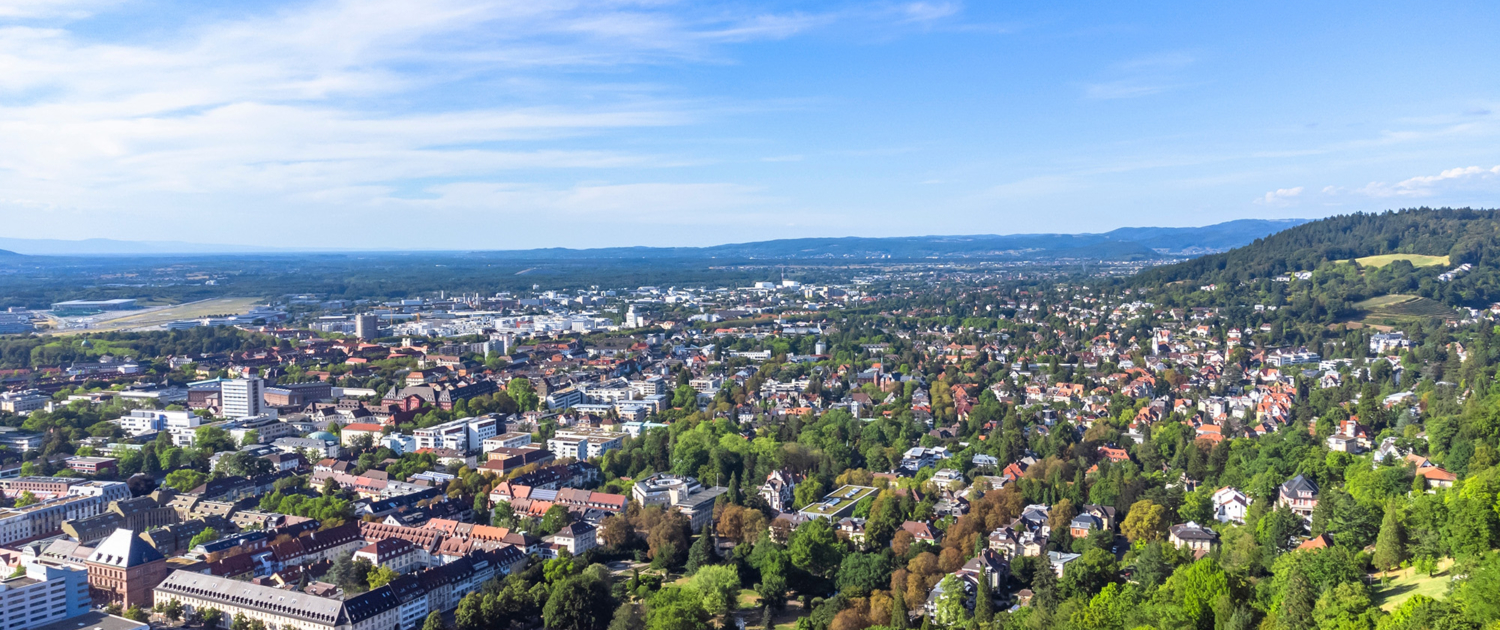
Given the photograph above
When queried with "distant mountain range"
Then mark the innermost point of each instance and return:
(1122, 244)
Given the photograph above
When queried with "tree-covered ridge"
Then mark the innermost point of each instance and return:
(1466, 236)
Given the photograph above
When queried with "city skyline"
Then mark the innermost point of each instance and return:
(385, 125)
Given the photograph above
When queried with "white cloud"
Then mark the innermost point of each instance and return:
(303, 112)
(1280, 196)
(1433, 185)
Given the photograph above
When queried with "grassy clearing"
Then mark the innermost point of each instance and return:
(1408, 582)
(1416, 260)
(1401, 308)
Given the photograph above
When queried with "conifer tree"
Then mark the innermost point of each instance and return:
(1297, 603)
(900, 619)
(700, 554)
(1391, 543)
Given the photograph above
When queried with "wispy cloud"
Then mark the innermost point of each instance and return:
(1140, 76)
(311, 109)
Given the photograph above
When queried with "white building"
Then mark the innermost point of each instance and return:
(143, 421)
(464, 434)
(583, 445)
(1230, 505)
(242, 397)
(23, 402)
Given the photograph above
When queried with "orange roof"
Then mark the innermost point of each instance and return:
(1320, 541)
(363, 426)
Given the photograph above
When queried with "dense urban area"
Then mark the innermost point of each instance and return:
(1300, 433)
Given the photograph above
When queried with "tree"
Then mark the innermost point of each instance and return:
(381, 576)
(628, 617)
(172, 610)
(701, 554)
(815, 548)
(555, 519)
(900, 619)
(1146, 522)
(504, 515)
(26, 498)
(719, 586)
(470, 612)
(211, 617)
(676, 608)
(950, 610)
(984, 600)
(1193, 590)
(773, 584)
(1088, 574)
(579, 602)
(185, 480)
(1044, 587)
(1346, 607)
(1297, 601)
(617, 532)
(522, 392)
(208, 535)
(434, 622)
(134, 613)
(1480, 590)
(1390, 545)
(861, 573)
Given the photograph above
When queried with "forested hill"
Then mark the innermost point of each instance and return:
(1464, 235)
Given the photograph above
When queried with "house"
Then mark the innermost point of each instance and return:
(1084, 524)
(1300, 494)
(988, 564)
(920, 532)
(1105, 514)
(852, 528)
(948, 479)
(779, 488)
(576, 537)
(1192, 536)
(1060, 560)
(1436, 477)
(1230, 505)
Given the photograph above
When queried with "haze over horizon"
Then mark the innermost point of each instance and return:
(511, 125)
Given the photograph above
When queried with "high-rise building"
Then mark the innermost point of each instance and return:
(243, 397)
(366, 326)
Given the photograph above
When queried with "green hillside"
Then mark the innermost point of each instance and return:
(1400, 252)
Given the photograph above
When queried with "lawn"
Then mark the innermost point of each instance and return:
(1417, 260)
(1409, 583)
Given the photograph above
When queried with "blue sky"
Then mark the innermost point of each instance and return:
(512, 124)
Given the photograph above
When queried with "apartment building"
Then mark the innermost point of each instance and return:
(583, 445)
(514, 439)
(464, 434)
(46, 593)
(45, 518)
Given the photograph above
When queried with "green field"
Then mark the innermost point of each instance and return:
(1409, 583)
(1417, 260)
(1399, 308)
